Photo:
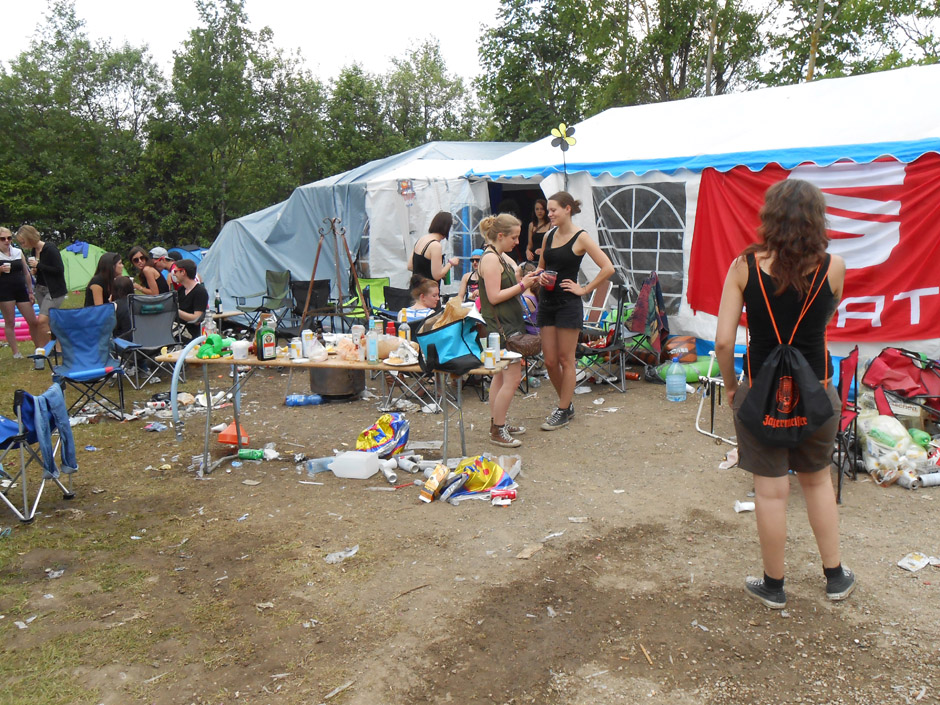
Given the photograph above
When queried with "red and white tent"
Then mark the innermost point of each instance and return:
(676, 187)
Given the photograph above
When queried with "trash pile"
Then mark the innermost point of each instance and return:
(893, 453)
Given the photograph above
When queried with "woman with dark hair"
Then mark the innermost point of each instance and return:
(427, 257)
(561, 311)
(121, 288)
(100, 288)
(150, 280)
(773, 278)
(538, 229)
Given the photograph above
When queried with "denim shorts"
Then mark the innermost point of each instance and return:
(564, 312)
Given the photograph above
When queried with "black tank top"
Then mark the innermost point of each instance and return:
(537, 238)
(810, 338)
(421, 264)
(564, 261)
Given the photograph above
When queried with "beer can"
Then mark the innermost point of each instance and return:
(296, 348)
(505, 494)
(492, 341)
(156, 404)
(489, 359)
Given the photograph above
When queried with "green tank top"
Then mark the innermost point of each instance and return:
(510, 311)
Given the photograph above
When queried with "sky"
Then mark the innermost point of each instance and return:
(328, 34)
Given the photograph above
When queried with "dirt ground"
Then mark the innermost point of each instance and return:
(178, 589)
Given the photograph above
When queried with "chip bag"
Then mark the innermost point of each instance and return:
(482, 474)
(387, 436)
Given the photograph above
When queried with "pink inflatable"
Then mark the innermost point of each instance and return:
(22, 330)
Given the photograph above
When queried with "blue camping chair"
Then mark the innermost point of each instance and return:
(17, 438)
(85, 334)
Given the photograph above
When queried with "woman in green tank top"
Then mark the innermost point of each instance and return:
(500, 288)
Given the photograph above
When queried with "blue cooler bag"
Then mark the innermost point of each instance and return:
(453, 347)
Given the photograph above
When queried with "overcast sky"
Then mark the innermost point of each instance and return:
(329, 34)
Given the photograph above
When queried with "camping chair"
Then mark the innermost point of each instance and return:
(275, 299)
(354, 308)
(713, 387)
(604, 358)
(594, 309)
(84, 335)
(153, 320)
(394, 300)
(20, 435)
(318, 309)
(847, 453)
(647, 324)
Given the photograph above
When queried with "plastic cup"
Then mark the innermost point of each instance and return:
(550, 275)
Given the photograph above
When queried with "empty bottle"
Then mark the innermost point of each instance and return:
(675, 381)
(251, 453)
(404, 330)
(218, 302)
(372, 346)
(303, 400)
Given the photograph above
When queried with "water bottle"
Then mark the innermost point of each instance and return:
(675, 381)
(372, 346)
(303, 400)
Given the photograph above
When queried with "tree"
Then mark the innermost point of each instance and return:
(424, 102)
(70, 132)
(824, 38)
(356, 123)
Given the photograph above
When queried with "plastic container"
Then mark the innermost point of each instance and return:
(675, 381)
(303, 400)
(355, 464)
(372, 346)
(389, 328)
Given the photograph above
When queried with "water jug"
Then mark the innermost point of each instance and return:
(675, 381)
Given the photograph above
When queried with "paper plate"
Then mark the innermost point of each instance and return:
(300, 360)
(509, 355)
(402, 363)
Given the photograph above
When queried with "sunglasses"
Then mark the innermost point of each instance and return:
(138, 258)
(475, 260)
(6, 239)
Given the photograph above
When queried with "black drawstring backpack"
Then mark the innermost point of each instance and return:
(786, 403)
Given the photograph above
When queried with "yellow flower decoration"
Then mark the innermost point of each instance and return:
(563, 138)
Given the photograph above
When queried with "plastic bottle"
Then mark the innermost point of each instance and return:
(372, 346)
(218, 301)
(303, 400)
(389, 328)
(208, 323)
(675, 381)
(404, 330)
(251, 453)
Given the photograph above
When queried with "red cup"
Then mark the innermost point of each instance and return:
(550, 275)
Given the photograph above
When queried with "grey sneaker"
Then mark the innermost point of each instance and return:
(570, 411)
(774, 599)
(501, 437)
(840, 588)
(559, 418)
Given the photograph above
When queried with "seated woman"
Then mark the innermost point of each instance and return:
(427, 298)
(150, 280)
(100, 286)
(470, 282)
(121, 288)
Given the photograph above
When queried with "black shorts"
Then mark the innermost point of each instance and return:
(563, 312)
(815, 453)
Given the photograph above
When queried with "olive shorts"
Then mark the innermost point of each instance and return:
(812, 455)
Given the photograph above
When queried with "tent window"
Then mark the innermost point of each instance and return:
(641, 227)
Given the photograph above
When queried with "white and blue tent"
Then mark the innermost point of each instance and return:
(384, 205)
(638, 170)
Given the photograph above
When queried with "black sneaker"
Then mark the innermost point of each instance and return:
(559, 418)
(841, 587)
(774, 599)
(570, 411)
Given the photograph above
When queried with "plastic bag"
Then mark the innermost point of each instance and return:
(318, 353)
(482, 473)
(387, 436)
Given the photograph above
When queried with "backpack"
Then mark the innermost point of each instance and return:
(786, 403)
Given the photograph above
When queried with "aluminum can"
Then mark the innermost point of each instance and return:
(489, 359)
(505, 494)
(492, 341)
(296, 348)
(306, 342)
(156, 404)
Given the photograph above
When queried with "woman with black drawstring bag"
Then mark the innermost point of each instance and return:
(786, 409)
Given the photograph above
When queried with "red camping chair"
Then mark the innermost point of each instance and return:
(907, 376)
(847, 449)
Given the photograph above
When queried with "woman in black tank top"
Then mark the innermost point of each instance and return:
(427, 257)
(789, 255)
(560, 312)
